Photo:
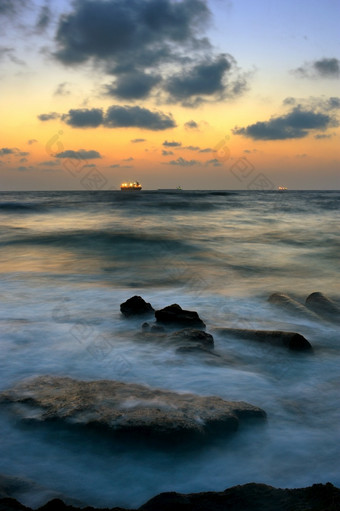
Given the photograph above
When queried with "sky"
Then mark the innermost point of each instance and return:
(202, 94)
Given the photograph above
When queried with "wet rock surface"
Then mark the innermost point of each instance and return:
(323, 306)
(247, 497)
(176, 316)
(126, 408)
(292, 306)
(290, 340)
(135, 306)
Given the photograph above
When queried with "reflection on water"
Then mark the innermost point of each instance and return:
(69, 259)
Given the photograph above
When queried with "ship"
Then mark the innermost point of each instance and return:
(178, 189)
(282, 188)
(131, 186)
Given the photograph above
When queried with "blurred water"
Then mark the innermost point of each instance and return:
(68, 259)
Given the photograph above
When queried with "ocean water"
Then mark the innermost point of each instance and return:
(68, 259)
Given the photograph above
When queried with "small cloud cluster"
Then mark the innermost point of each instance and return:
(81, 154)
(171, 144)
(298, 123)
(12, 151)
(191, 125)
(182, 162)
(138, 140)
(151, 47)
(322, 68)
(115, 117)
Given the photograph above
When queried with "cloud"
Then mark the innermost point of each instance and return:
(298, 123)
(119, 166)
(8, 151)
(191, 125)
(151, 47)
(137, 140)
(128, 159)
(323, 68)
(48, 117)
(10, 7)
(84, 118)
(171, 144)
(323, 136)
(207, 150)
(136, 116)
(167, 153)
(115, 117)
(49, 163)
(62, 90)
(214, 162)
(32, 141)
(82, 154)
(44, 18)
(182, 162)
(191, 148)
(10, 54)
(132, 85)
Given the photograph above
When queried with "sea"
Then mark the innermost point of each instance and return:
(69, 259)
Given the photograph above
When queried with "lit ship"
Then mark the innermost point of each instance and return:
(131, 186)
(281, 188)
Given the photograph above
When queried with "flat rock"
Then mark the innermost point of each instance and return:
(190, 337)
(290, 340)
(135, 306)
(126, 407)
(323, 306)
(292, 306)
(176, 316)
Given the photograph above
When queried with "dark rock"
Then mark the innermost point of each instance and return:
(175, 315)
(127, 408)
(157, 329)
(246, 497)
(291, 340)
(135, 306)
(191, 336)
(145, 327)
(323, 306)
(250, 497)
(292, 306)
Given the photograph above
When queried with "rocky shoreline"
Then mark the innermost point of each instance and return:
(247, 497)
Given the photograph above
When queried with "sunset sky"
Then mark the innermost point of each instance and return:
(212, 94)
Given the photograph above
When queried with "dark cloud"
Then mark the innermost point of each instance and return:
(32, 141)
(167, 153)
(11, 55)
(134, 32)
(119, 166)
(171, 144)
(8, 151)
(115, 117)
(10, 7)
(84, 118)
(323, 68)
(214, 162)
(182, 162)
(138, 140)
(191, 125)
(128, 159)
(49, 163)
(191, 148)
(207, 150)
(132, 85)
(82, 154)
(135, 116)
(48, 117)
(62, 90)
(141, 42)
(204, 79)
(44, 18)
(298, 123)
(323, 136)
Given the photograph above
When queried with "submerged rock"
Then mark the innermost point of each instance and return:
(176, 316)
(292, 306)
(135, 306)
(126, 407)
(190, 338)
(323, 306)
(291, 340)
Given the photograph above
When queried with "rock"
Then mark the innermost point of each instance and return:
(292, 306)
(246, 497)
(157, 329)
(175, 315)
(291, 340)
(126, 408)
(323, 306)
(190, 337)
(145, 327)
(250, 497)
(135, 306)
